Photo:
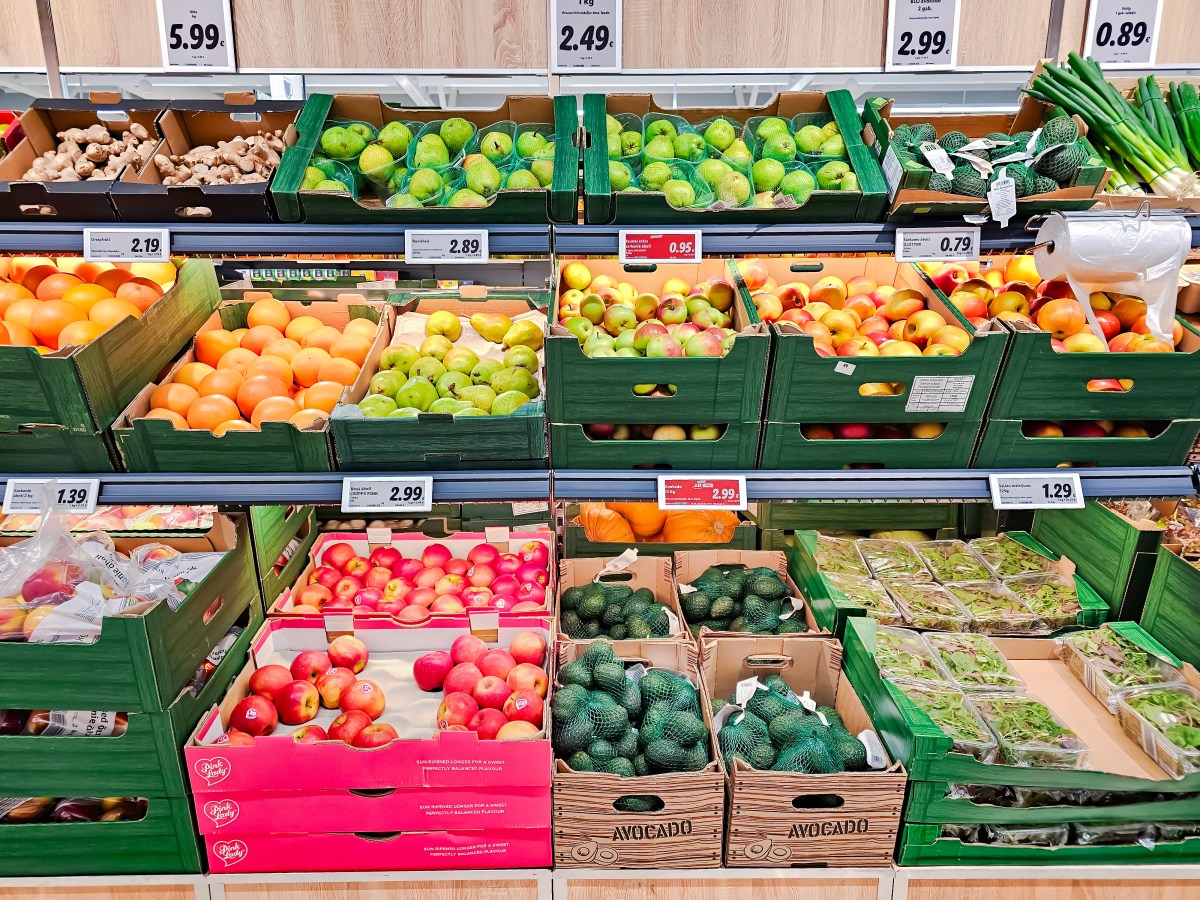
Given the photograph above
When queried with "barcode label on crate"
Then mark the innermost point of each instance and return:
(939, 393)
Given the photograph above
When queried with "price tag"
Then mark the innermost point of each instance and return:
(462, 246)
(585, 34)
(1123, 34)
(659, 246)
(382, 495)
(126, 244)
(922, 34)
(77, 495)
(1055, 491)
(937, 244)
(705, 492)
(939, 393)
(1002, 198)
(196, 35)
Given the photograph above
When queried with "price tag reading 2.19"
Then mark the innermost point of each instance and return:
(394, 495)
(922, 34)
(659, 246)
(126, 244)
(703, 492)
(1035, 491)
(1123, 33)
(196, 35)
(586, 35)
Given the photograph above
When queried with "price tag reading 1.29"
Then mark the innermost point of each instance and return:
(659, 246)
(463, 246)
(703, 492)
(381, 495)
(937, 244)
(196, 34)
(1035, 491)
(1123, 33)
(922, 34)
(126, 244)
(27, 495)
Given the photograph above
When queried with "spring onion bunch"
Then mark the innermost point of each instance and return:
(1185, 104)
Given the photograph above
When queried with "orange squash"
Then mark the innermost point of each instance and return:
(643, 518)
(604, 525)
(700, 526)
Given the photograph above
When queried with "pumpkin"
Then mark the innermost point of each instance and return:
(700, 526)
(604, 525)
(643, 518)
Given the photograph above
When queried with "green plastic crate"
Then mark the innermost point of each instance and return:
(1003, 446)
(478, 516)
(86, 389)
(38, 448)
(571, 448)
(785, 447)
(854, 515)
(558, 204)
(603, 207)
(140, 663)
(272, 529)
(1172, 611)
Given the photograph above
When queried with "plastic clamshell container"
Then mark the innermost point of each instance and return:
(1047, 836)
(1063, 751)
(1051, 597)
(1007, 557)
(1149, 729)
(869, 594)
(1104, 676)
(839, 555)
(948, 709)
(893, 560)
(952, 561)
(928, 606)
(994, 608)
(902, 655)
(984, 668)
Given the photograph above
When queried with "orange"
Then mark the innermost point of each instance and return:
(300, 326)
(306, 365)
(11, 293)
(175, 397)
(209, 412)
(233, 425)
(139, 294)
(256, 389)
(20, 336)
(340, 370)
(273, 366)
(20, 312)
(88, 271)
(19, 265)
(3, 336)
(307, 417)
(162, 273)
(259, 336)
(352, 348)
(52, 287)
(269, 312)
(363, 328)
(192, 374)
(108, 313)
(274, 409)
(239, 358)
(85, 296)
(79, 333)
(176, 420)
(323, 396)
(52, 317)
(221, 381)
(298, 396)
(111, 279)
(239, 333)
(212, 345)
(323, 337)
(284, 349)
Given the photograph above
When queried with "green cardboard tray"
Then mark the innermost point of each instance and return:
(272, 529)
(1004, 446)
(855, 515)
(36, 448)
(785, 447)
(737, 448)
(1172, 611)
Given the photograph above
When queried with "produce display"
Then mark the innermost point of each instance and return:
(952, 561)
(1173, 711)
(894, 560)
(974, 662)
(120, 518)
(244, 160)
(869, 594)
(645, 522)
(1119, 661)
(613, 611)
(1052, 598)
(949, 709)
(840, 556)
(1029, 734)
(901, 654)
(928, 606)
(1007, 557)
(735, 598)
(94, 153)
(994, 609)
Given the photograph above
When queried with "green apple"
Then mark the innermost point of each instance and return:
(660, 127)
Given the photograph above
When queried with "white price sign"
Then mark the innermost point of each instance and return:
(585, 34)
(196, 35)
(77, 495)
(126, 244)
(387, 495)
(1054, 491)
(937, 244)
(1123, 34)
(922, 34)
(461, 246)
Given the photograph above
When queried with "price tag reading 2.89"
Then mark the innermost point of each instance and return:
(703, 492)
(398, 495)
(457, 246)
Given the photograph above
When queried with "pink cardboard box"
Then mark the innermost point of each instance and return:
(422, 758)
(512, 848)
(412, 546)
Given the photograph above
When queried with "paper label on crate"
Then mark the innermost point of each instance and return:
(922, 34)
(686, 589)
(1123, 34)
(529, 507)
(876, 756)
(939, 393)
(725, 713)
(844, 368)
(938, 158)
(797, 606)
(618, 564)
(196, 35)
(672, 622)
(636, 673)
(1060, 490)
(496, 534)
(526, 529)
(745, 690)
(73, 495)
(446, 246)
(80, 723)
(395, 495)
(937, 244)
(126, 245)
(585, 36)
(808, 702)
(1002, 198)
(892, 170)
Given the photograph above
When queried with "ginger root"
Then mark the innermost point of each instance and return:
(93, 152)
(243, 160)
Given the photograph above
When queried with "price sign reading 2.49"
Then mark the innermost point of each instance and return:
(1123, 33)
(586, 34)
(922, 34)
(196, 35)
(703, 492)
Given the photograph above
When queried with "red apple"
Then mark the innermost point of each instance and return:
(368, 597)
(505, 584)
(491, 692)
(313, 595)
(349, 652)
(375, 735)
(457, 567)
(523, 706)
(450, 584)
(1109, 324)
(436, 556)
(467, 648)
(51, 579)
(853, 431)
(533, 572)
(339, 603)
(254, 715)
(356, 566)
(527, 606)
(482, 555)
(347, 587)
(1084, 430)
(345, 728)
(462, 678)
(387, 557)
(503, 602)
(496, 662)
(525, 676)
(487, 723)
(377, 577)
(330, 685)
(309, 734)
(1041, 429)
(422, 597)
(267, 680)
(507, 563)
(413, 615)
(532, 592)
(409, 569)
(427, 578)
(326, 575)
(949, 277)
(397, 589)
(297, 702)
(365, 696)
(481, 575)
(337, 555)
(535, 552)
(391, 607)
(235, 738)
(457, 708)
(476, 597)
(528, 647)
(518, 731)
(309, 665)
(431, 669)
(448, 605)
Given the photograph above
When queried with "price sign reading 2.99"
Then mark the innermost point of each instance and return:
(586, 35)
(1123, 33)
(196, 35)
(922, 34)
(702, 492)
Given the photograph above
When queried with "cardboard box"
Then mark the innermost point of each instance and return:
(27, 449)
(651, 573)
(283, 536)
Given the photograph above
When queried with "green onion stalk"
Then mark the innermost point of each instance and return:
(1185, 105)
(1122, 181)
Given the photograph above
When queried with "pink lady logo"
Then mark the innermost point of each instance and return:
(521, 703)
(230, 852)
(213, 770)
(221, 812)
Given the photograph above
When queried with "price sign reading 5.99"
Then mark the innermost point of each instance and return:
(196, 34)
(1123, 33)
(922, 34)
(703, 492)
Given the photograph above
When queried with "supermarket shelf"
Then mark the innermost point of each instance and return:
(272, 238)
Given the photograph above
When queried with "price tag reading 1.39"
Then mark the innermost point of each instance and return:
(25, 495)
(1123, 33)
(922, 34)
(659, 246)
(704, 492)
(937, 244)
(381, 495)
(1034, 491)
(126, 244)
(463, 246)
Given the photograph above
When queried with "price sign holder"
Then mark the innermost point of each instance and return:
(922, 34)
(937, 244)
(585, 36)
(702, 492)
(76, 495)
(642, 246)
(1058, 490)
(457, 246)
(387, 495)
(196, 35)
(126, 244)
(1123, 34)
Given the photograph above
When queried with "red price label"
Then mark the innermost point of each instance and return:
(705, 492)
(660, 246)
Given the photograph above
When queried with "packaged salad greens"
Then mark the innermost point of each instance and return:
(1166, 721)
(1093, 834)
(928, 606)
(1029, 734)
(974, 662)
(839, 555)
(994, 609)
(894, 560)
(868, 594)
(1028, 835)
(1007, 557)
(953, 561)
(966, 834)
(950, 710)
(1051, 597)
(1108, 663)
(901, 654)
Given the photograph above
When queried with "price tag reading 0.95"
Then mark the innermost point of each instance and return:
(705, 492)
(659, 246)
(362, 495)
(1054, 491)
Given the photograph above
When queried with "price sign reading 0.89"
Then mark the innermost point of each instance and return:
(1123, 33)
(196, 34)
(703, 492)
(922, 34)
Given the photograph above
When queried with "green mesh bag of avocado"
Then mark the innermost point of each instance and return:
(737, 598)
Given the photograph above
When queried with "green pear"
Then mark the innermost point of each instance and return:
(689, 147)
(478, 395)
(850, 182)
(631, 143)
(515, 379)
(363, 130)
(388, 382)
(395, 138)
(449, 384)
(612, 124)
(448, 406)
(524, 334)
(619, 176)
(660, 148)
(660, 127)
(764, 200)
(522, 357)
(543, 171)
(614, 146)
(809, 138)
(431, 151)
(831, 175)
(330, 185)
(655, 175)
(496, 146)
(508, 402)
(830, 128)
(521, 180)
(483, 178)
(342, 143)
(767, 174)
(467, 198)
(738, 155)
(396, 179)
(470, 411)
(720, 134)
(418, 393)
(735, 189)
(485, 369)
(404, 201)
(491, 326)
(404, 412)
(530, 142)
(399, 356)
(427, 368)
(376, 406)
(679, 193)
(461, 359)
(798, 184)
(455, 133)
(833, 146)
(312, 177)
(373, 162)
(713, 171)
(780, 147)
(425, 184)
(771, 126)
